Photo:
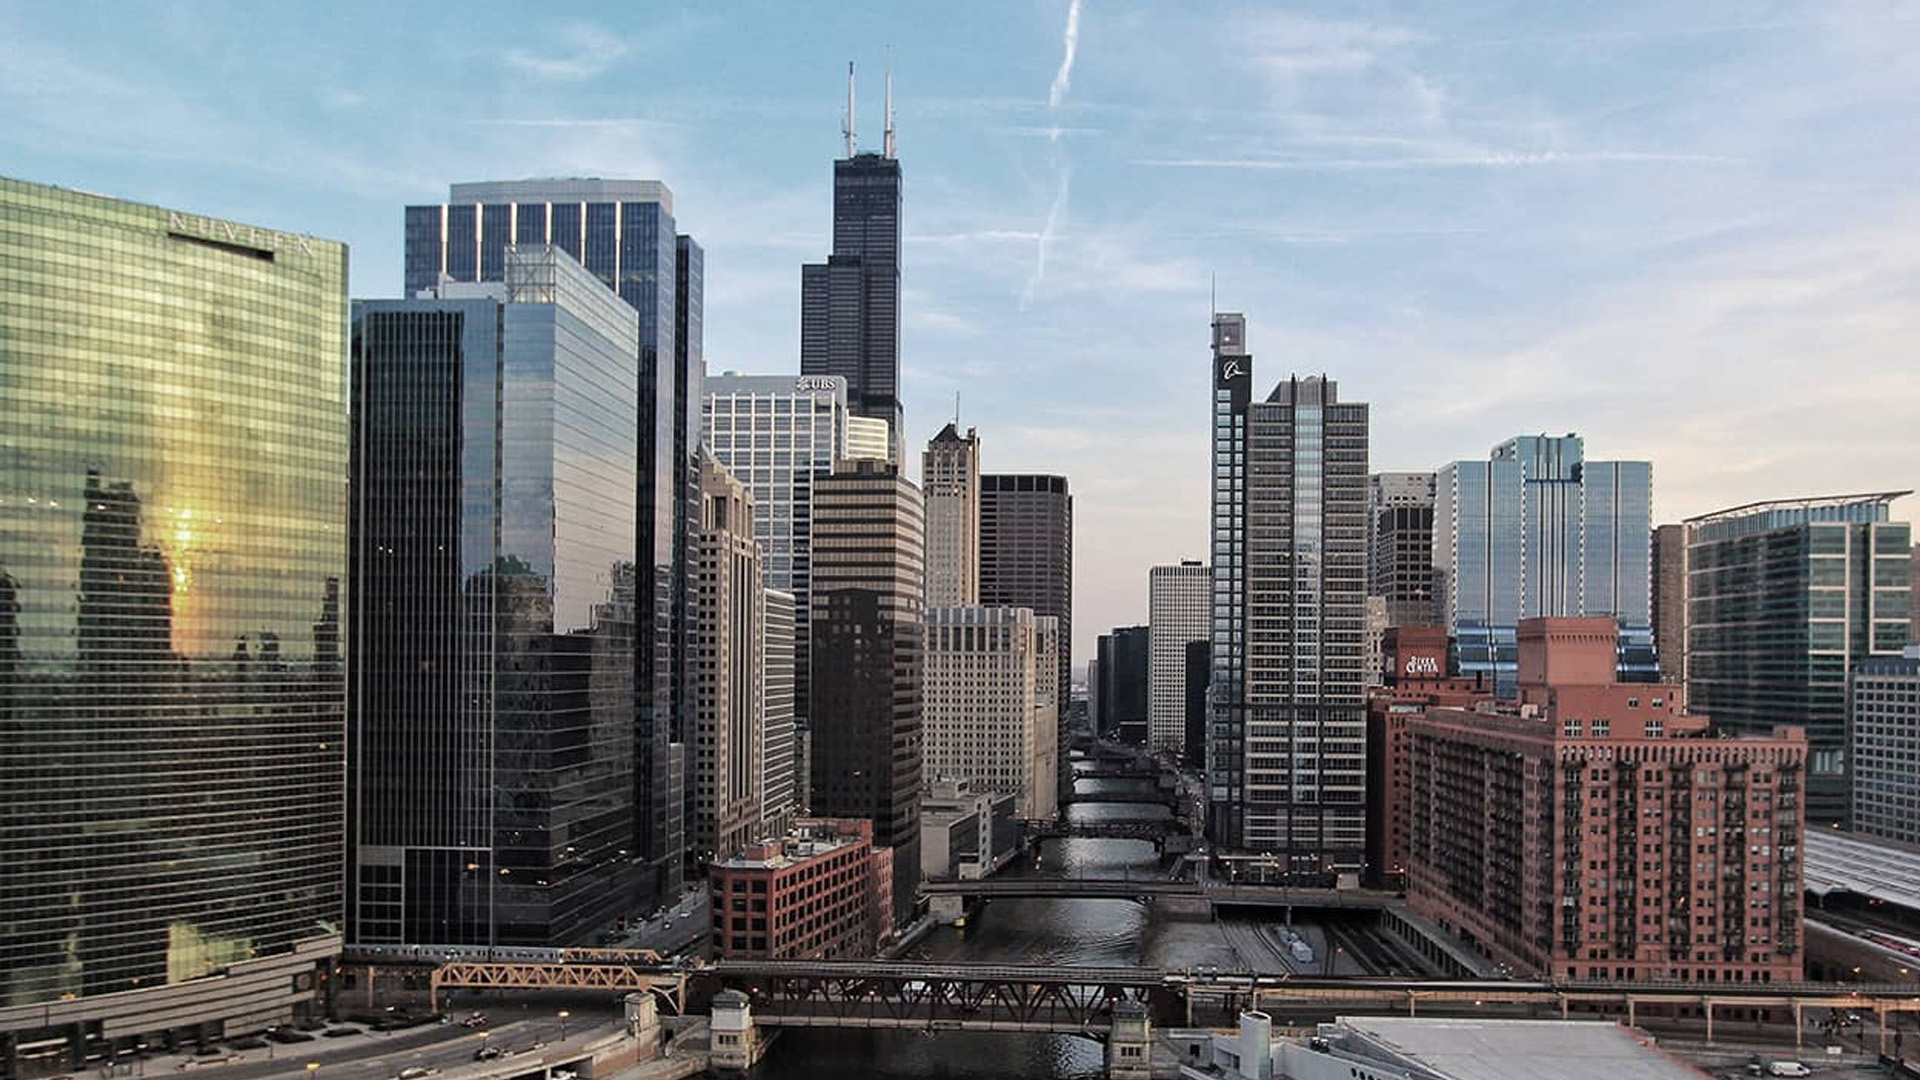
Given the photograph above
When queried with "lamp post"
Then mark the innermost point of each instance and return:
(313, 1070)
(563, 1024)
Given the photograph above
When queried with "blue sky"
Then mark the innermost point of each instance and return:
(1686, 231)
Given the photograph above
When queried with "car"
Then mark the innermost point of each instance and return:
(486, 1053)
(415, 1072)
(1788, 1068)
(565, 1074)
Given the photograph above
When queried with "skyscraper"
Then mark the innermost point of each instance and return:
(1537, 530)
(1124, 661)
(779, 434)
(1883, 742)
(1294, 782)
(1177, 613)
(1232, 378)
(1784, 600)
(781, 776)
(869, 581)
(850, 304)
(988, 705)
(728, 664)
(172, 687)
(1670, 603)
(493, 575)
(1400, 545)
(950, 476)
(1026, 560)
(622, 232)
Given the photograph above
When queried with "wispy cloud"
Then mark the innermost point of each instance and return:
(1515, 160)
(584, 50)
(1062, 167)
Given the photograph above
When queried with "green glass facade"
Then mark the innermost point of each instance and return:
(173, 463)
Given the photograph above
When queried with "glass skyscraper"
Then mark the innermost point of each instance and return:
(622, 232)
(850, 304)
(493, 570)
(173, 451)
(1537, 530)
(1784, 600)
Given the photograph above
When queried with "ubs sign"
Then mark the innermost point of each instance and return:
(814, 383)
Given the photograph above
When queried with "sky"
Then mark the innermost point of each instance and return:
(1688, 232)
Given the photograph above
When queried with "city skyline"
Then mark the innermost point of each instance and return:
(1364, 201)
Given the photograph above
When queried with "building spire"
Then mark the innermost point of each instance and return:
(887, 144)
(846, 126)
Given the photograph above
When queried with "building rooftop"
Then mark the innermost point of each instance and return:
(1807, 504)
(1866, 867)
(1508, 1049)
(562, 190)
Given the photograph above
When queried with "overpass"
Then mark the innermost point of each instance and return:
(1123, 772)
(1157, 830)
(1160, 796)
(1147, 888)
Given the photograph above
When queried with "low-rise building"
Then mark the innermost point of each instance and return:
(966, 832)
(1597, 830)
(822, 891)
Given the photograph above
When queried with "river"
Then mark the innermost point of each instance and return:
(1027, 932)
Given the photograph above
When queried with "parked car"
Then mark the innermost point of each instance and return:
(1788, 1068)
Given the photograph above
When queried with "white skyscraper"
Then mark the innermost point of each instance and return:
(950, 480)
(987, 703)
(1178, 611)
(779, 754)
(727, 660)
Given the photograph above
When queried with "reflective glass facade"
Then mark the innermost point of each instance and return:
(1784, 601)
(493, 564)
(622, 232)
(173, 453)
(1537, 530)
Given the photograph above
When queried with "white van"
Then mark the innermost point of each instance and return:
(1788, 1068)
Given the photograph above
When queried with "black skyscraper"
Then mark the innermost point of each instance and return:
(1026, 560)
(850, 304)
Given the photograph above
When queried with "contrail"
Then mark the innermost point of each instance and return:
(1056, 94)
(1063, 79)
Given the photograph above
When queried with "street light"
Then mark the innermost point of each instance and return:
(313, 1069)
(563, 1024)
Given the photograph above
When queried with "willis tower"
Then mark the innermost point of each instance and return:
(850, 304)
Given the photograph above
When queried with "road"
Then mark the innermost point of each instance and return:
(677, 928)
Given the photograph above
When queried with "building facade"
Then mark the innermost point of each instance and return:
(1670, 602)
(1178, 609)
(1883, 742)
(950, 476)
(1232, 379)
(781, 774)
(1784, 601)
(1124, 659)
(1400, 545)
(728, 665)
(1416, 681)
(966, 832)
(493, 620)
(622, 232)
(822, 892)
(778, 434)
(868, 629)
(988, 711)
(1026, 560)
(172, 680)
(1199, 663)
(850, 304)
(1539, 531)
(1290, 776)
(1597, 830)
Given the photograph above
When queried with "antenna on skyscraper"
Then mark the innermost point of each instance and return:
(956, 410)
(887, 143)
(1213, 295)
(846, 127)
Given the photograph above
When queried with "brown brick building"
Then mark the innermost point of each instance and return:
(1597, 830)
(1416, 680)
(823, 892)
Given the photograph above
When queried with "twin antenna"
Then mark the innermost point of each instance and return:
(846, 126)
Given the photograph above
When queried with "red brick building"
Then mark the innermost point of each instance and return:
(1597, 830)
(1415, 663)
(824, 891)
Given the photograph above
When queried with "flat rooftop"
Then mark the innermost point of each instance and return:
(1864, 866)
(1463, 1049)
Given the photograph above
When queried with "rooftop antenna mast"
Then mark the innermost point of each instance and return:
(887, 144)
(956, 410)
(846, 128)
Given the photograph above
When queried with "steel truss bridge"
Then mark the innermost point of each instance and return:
(1162, 796)
(1080, 1000)
(1156, 830)
(1122, 772)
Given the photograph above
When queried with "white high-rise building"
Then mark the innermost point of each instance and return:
(950, 481)
(776, 434)
(987, 703)
(779, 755)
(726, 658)
(869, 438)
(1178, 611)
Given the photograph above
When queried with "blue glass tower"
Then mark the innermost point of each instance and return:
(1537, 530)
(622, 232)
